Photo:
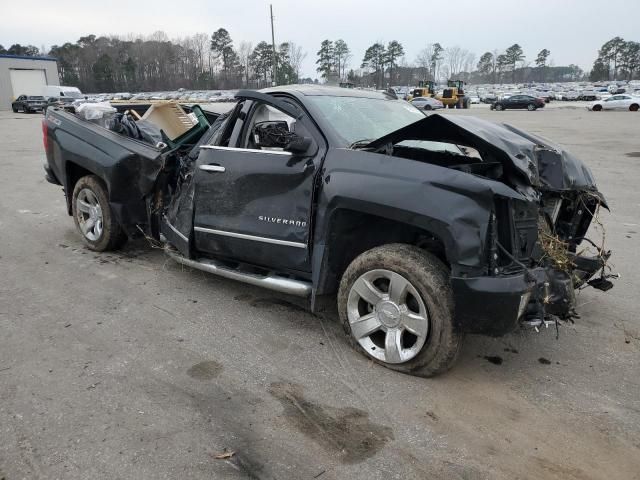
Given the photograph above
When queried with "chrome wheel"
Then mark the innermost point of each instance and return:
(387, 316)
(89, 214)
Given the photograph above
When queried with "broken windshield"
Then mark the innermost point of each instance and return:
(354, 119)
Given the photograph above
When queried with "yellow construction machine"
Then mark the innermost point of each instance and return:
(453, 96)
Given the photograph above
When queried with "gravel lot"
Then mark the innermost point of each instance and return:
(126, 365)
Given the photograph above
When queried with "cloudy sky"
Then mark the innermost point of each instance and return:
(572, 29)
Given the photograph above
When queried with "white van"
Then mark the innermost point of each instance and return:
(59, 91)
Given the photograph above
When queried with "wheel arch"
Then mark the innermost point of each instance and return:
(350, 232)
(73, 173)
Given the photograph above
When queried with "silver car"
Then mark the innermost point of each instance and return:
(427, 103)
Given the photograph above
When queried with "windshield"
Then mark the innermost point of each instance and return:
(355, 119)
(71, 93)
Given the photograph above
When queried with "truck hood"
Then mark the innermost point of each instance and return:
(541, 163)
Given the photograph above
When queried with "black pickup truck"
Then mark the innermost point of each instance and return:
(424, 227)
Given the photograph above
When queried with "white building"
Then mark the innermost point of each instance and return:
(22, 75)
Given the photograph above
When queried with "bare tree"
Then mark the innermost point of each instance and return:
(456, 58)
(423, 61)
(244, 53)
(296, 57)
(200, 44)
(469, 62)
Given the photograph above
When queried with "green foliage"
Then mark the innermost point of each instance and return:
(375, 58)
(541, 62)
(394, 51)
(486, 64)
(341, 54)
(262, 60)
(326, 58)
(513, 55)
(286, 72)
(541, 59)
(25, 50)
(222, 49)
(617, 59)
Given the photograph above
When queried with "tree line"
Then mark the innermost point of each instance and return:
(202, 61)
(617, 59)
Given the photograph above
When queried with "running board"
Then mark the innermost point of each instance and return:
(272, 282)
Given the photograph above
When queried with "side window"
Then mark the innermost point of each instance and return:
(268, 129)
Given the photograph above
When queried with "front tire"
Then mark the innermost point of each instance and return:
(396, 306)
(499, 107)
(93, 216)
(531, 107)
(428, 107)
(634, 107)
(596, 108)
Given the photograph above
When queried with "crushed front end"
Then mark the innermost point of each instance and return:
(535, 203)
(538, 255)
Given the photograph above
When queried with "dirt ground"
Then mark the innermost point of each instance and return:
(127, 365)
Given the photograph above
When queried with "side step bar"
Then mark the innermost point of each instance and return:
(272, 282)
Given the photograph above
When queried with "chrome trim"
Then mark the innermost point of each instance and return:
(212, 168)
(247, 150)
(244, 236)
(175, 230)
(298, 288)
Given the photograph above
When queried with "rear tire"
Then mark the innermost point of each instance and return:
(634, 107)
(411, 327)
(93, 216)
(428, 107)
(499, 107)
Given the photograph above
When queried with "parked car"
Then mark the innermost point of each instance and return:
(328, 192)
(427, 103)
(588, 95)
(61, 91)
(58, 102)
(518, 101)
(28, 103)
(616, 102)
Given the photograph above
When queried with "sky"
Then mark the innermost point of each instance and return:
(572, 29)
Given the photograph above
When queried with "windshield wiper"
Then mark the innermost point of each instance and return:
(363, 142)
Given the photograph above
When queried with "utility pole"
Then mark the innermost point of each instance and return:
(273, 44)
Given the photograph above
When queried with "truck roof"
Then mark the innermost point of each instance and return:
(321, 90)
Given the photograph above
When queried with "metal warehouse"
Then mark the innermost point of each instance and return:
(22, 75)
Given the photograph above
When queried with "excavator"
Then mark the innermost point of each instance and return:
(453, 96)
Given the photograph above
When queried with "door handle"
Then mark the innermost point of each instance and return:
(212, 168)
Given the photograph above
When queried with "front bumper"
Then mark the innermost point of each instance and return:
(491, 305)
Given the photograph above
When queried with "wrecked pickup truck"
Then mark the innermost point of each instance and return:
(426, 227)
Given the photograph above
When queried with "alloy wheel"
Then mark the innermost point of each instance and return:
(387, 316)
(89, 213)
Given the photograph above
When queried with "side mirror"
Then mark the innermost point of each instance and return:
(271, 134)
(276, 134)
